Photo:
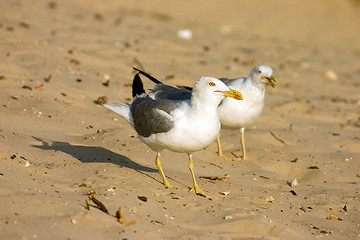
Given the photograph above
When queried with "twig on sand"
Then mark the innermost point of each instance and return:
(216, 178)
(99, 204)
(277, 138)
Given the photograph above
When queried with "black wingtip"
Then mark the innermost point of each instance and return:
(137, 86)
(148, 76)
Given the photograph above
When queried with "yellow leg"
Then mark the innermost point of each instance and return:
(158, 164)
(218, 145)
(242, 141)
(219, 148)
(195, 189)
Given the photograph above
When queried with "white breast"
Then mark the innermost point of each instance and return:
(238, 114)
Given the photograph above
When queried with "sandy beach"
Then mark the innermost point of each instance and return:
(60, 151)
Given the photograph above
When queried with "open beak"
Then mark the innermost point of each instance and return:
(232, 93)
(270, 80)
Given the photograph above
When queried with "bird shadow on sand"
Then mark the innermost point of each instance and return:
(88, 154)
(91, 154)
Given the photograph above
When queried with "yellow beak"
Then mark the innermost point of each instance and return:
(232, 93)
(270, 81)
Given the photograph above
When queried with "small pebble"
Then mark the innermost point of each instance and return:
(75, 62)
(333, 217)
(27, 87)
(52, 5)
(101, 100)
(49, 78)
(331, 75)
(106, 76)
(293, 192)
(142, 198)
(106, 83)
(293, 183)
(224, 193)
(270, 199)
(304, 209)
(24, 25)
(185, 34)
(313, 167)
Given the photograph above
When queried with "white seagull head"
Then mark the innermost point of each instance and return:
(263, 74)
(210, 88)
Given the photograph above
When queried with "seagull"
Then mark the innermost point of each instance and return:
(234, 114)
(244, 113)
(180, 125)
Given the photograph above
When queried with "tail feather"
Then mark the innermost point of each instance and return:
(138, 86)
(148, 76)
(123, 109)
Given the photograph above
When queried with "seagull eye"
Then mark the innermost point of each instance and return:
(211, 84)
(259, 71)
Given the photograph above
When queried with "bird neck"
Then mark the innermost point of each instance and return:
(254, 86)
(205, 108)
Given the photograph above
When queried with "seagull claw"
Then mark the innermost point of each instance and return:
(196, 189)
(167, 184)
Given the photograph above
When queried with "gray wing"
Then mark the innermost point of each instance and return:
(152, 116)
(162, 91)
(227, 81)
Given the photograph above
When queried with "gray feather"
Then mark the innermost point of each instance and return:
(152, 116)
(162, 91)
